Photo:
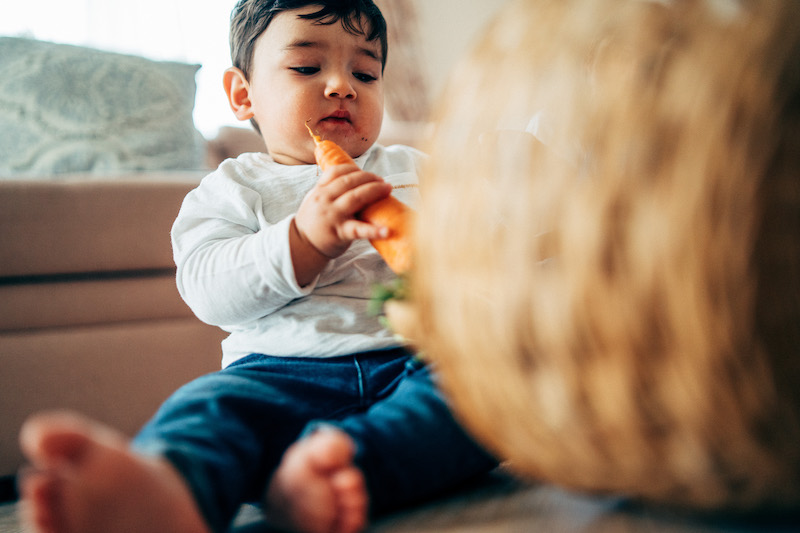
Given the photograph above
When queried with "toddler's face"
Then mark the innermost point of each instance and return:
(318, 73)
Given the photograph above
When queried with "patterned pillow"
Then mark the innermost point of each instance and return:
(66, 108)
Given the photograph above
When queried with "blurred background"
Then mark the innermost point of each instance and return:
(427, 38)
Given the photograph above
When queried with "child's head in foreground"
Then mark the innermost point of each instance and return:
(298, 62)
(619, 309)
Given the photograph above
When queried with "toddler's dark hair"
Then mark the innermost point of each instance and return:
(250, 18)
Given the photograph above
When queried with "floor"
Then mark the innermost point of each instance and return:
(503, 505)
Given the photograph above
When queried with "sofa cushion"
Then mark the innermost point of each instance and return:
(45, 303)
(116, 373)
(67, 108)
(82, 225)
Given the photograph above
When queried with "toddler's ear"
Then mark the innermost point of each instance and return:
(238, 90)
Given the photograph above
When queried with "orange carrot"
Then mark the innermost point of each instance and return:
(390, 212)
(396, 248)
(328, 153)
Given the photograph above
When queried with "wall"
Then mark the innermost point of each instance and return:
(448, 29)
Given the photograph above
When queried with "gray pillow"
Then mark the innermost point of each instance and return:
(67, 108)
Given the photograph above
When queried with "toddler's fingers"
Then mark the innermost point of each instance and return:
(331, 174)
(356, 229)
(348, 181)
(357, 198)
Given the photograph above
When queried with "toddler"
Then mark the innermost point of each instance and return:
(318, 411)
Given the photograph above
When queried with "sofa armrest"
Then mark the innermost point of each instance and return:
(86, 224)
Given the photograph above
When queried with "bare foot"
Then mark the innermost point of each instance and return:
(85, 479)
(317, 488)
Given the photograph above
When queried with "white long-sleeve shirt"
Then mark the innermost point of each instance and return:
(231, 246)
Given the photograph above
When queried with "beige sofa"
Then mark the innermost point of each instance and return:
(90, 317)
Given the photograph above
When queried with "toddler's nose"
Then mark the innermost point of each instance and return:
(339, 87)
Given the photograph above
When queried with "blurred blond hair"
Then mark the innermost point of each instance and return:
(615, 305)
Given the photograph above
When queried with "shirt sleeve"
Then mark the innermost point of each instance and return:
(232, 266)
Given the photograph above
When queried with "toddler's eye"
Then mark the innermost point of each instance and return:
(306, 70)
(366, 78)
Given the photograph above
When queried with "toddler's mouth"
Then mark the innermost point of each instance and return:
(338, 117)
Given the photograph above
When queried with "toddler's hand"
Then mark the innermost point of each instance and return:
(326, 217)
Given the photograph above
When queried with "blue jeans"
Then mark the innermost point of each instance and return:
(226, 432)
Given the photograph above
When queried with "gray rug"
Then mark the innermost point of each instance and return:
(503, 505)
